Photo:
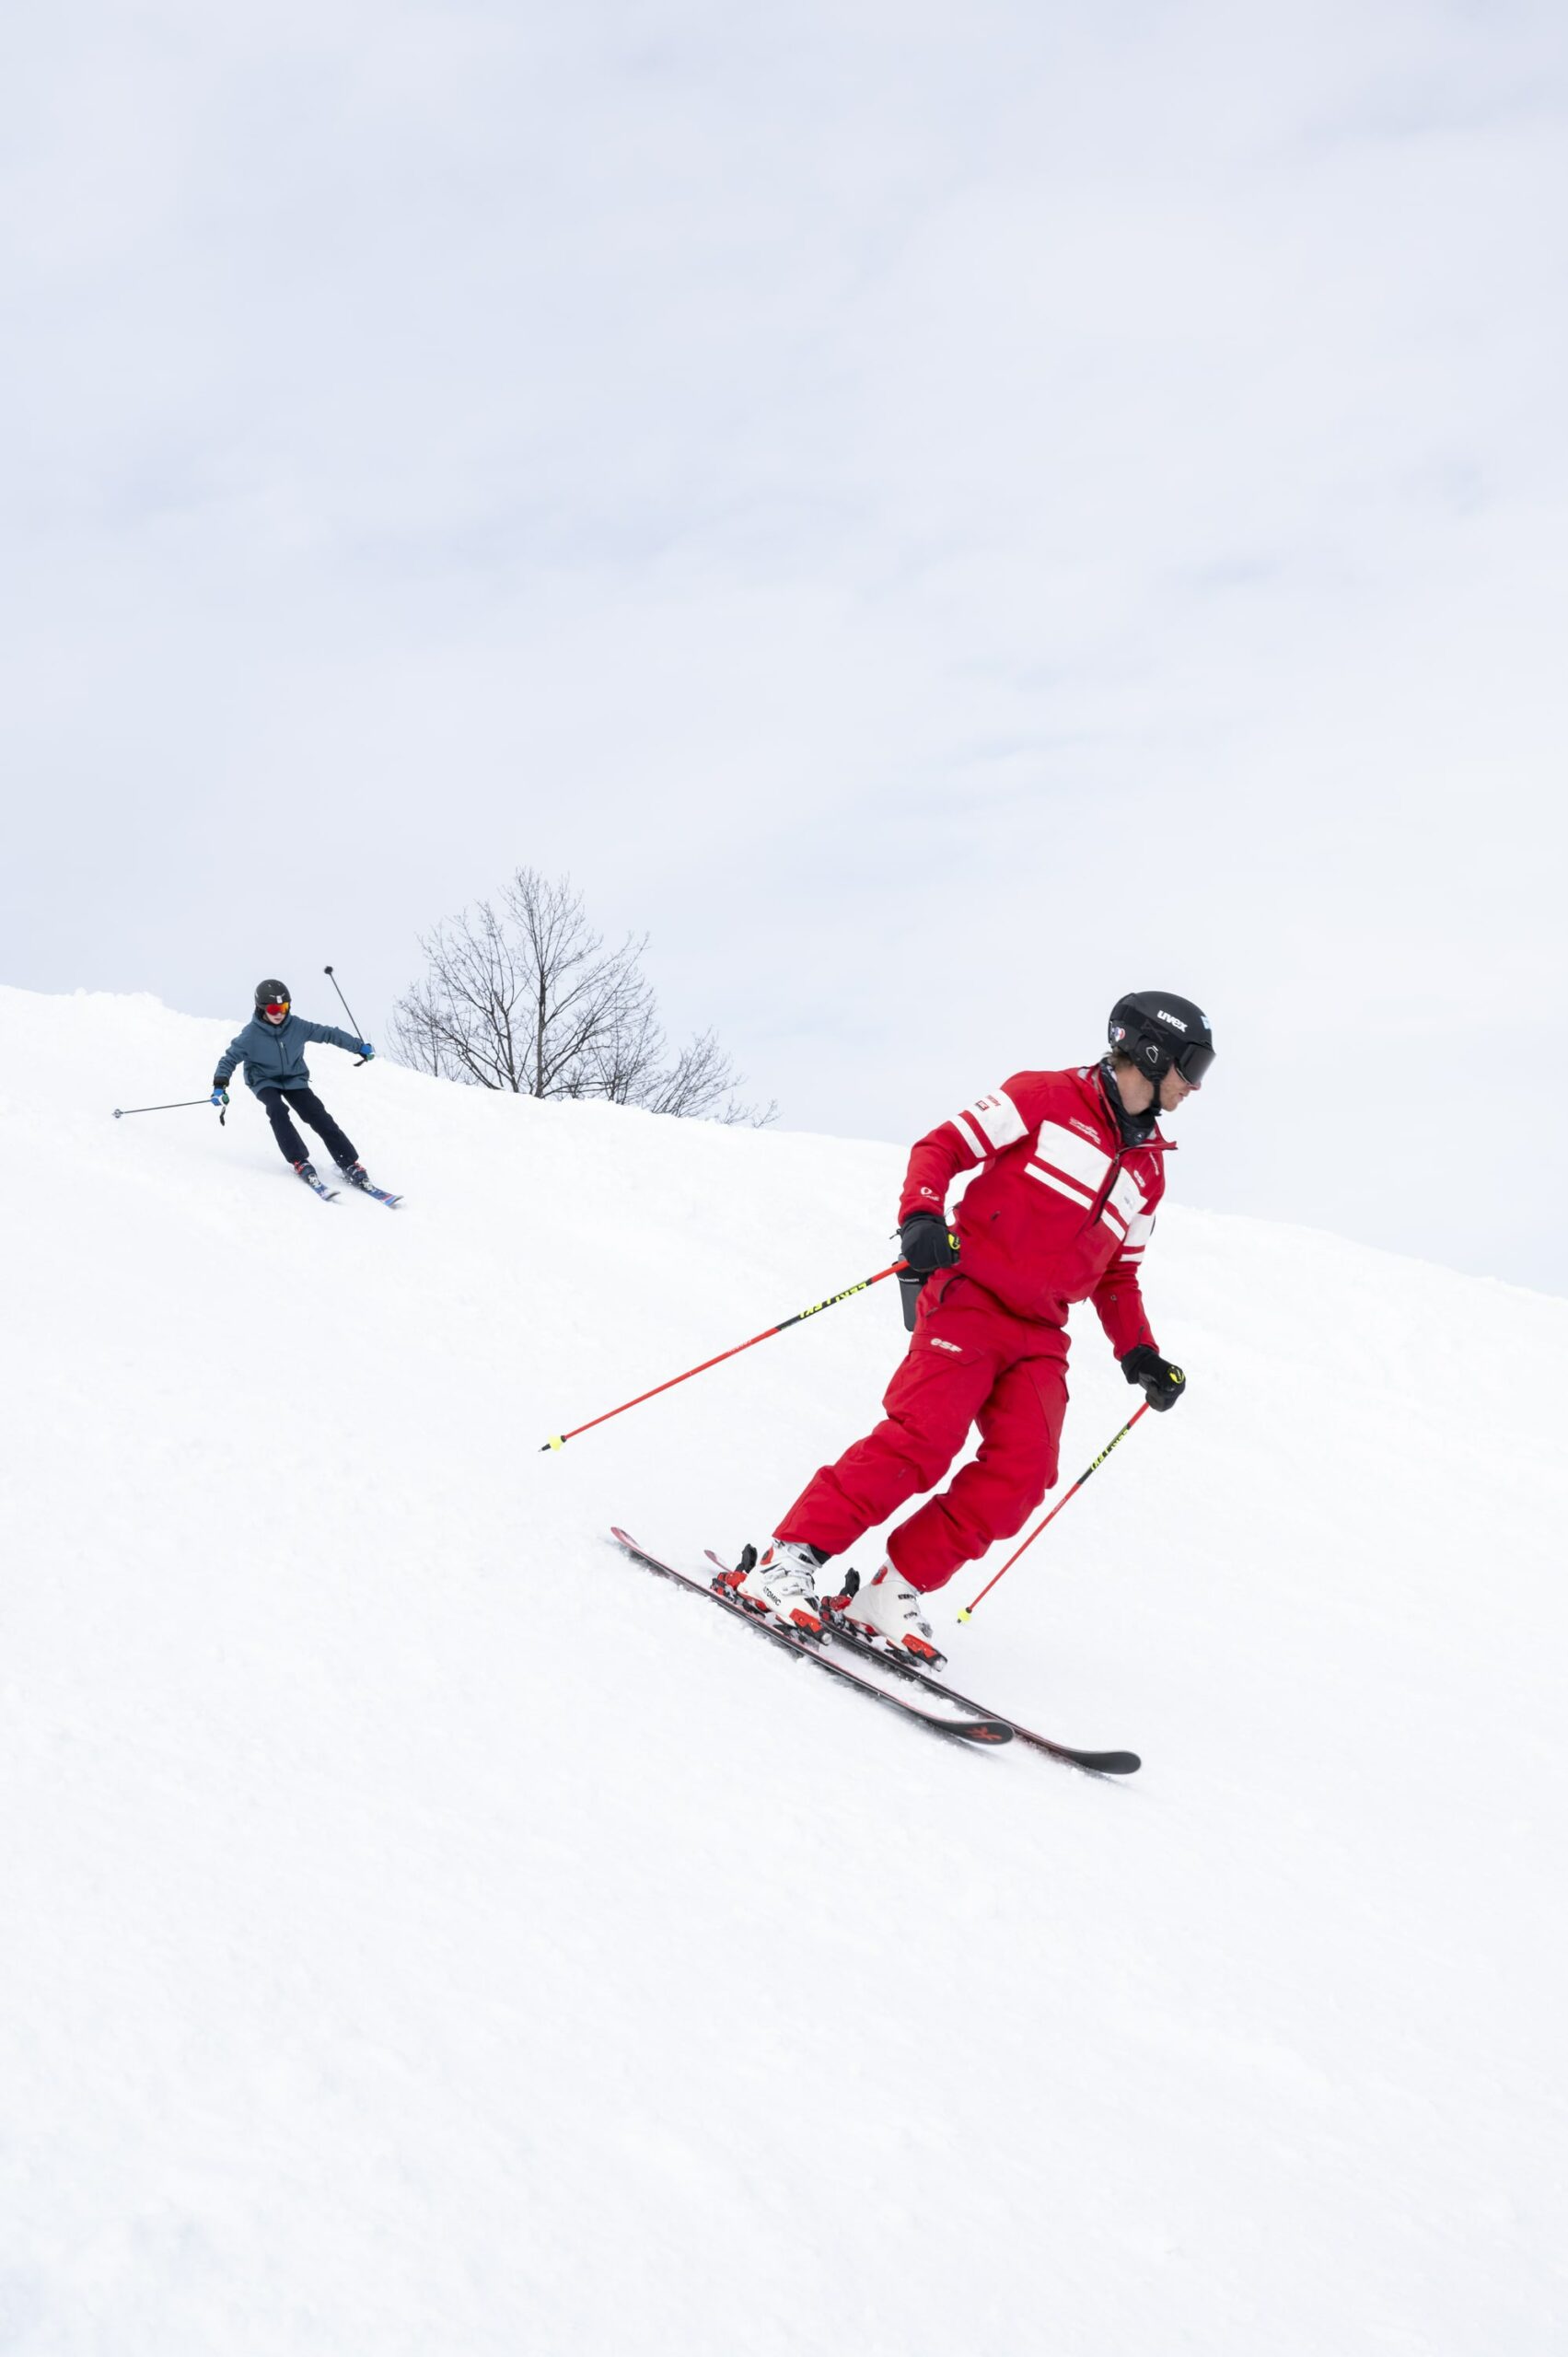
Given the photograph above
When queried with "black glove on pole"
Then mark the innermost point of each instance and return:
(349, 1012)
(1162, 1383)
(922, 1238)
(927, 1242)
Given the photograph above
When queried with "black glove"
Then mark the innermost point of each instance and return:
(926, 1244)
(1163, 1384)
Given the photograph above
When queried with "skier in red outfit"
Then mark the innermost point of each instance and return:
(1071, 1174)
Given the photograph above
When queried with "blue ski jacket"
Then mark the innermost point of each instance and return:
(273, 1053)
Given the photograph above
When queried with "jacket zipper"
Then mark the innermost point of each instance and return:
(1152, 1143)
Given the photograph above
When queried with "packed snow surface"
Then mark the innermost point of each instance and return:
(427, 1935)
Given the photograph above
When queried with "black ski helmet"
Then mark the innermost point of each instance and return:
(1158, 1029)
(269, 993)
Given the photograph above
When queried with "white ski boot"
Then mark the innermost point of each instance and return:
(891, 1614)
(780, 1584)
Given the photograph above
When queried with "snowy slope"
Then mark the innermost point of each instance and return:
(426, 1934)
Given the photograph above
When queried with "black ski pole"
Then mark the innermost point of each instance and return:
(347, 1010)
(123, 1112)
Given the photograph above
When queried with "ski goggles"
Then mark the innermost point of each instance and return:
(1193, 1062)
(276, 1006)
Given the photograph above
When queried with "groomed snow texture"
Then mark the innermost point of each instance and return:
(426, 1936)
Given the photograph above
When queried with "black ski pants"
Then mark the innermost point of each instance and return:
(281, 1102)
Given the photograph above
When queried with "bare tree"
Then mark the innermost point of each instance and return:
(526, 996)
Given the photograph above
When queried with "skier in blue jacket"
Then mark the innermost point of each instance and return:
(272, 1048)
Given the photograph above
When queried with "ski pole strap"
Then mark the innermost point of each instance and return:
(1056, 1509)
(558, 1440)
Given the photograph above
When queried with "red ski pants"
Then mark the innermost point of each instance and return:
(970, 1361)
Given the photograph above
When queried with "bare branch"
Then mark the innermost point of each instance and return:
(524, 996)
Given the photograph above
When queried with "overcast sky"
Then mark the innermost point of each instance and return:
(940, 514)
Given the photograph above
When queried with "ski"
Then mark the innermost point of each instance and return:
(979, 1727)
(1094, 1764)
(319, 1187)
(381, 1193)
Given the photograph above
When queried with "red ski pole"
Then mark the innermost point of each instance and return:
(1056, 1509)
(558, 1440)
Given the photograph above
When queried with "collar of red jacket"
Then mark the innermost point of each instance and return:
(1133, 1129)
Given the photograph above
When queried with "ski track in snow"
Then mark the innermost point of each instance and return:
(425, 1934)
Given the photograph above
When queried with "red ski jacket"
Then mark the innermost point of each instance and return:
(1062, 1209)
